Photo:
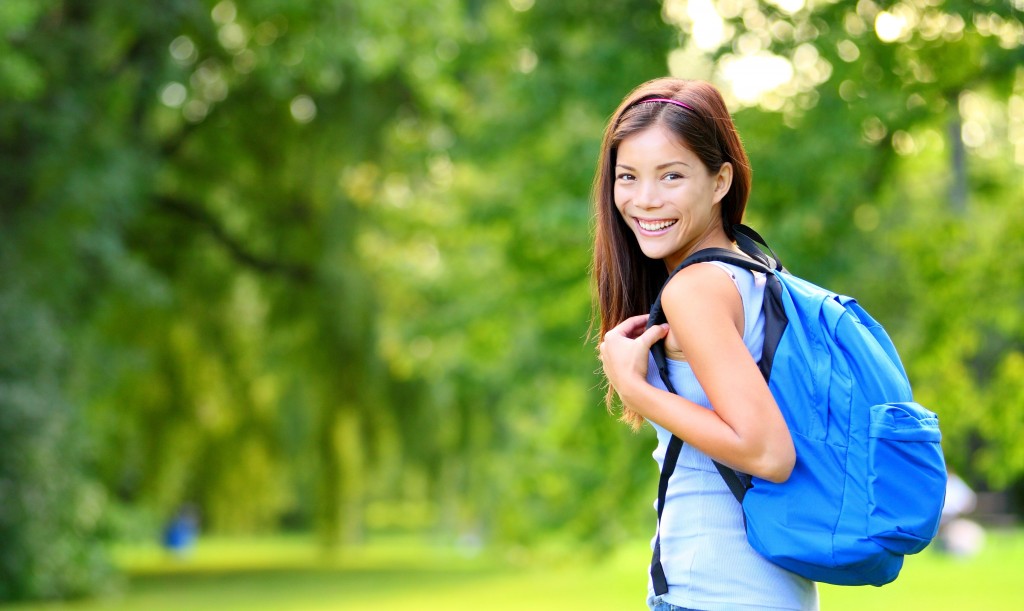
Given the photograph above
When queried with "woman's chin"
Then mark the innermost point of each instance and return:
(651, 247)
(657, 254)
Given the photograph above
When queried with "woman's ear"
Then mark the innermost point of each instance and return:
(723, 181)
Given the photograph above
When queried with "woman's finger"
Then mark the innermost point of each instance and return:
(631, 327)
(653, 335)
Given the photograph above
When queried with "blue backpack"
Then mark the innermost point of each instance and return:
(870, 479)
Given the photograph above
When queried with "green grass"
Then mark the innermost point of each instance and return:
(289, 573)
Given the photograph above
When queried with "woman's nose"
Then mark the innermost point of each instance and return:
(647, 195)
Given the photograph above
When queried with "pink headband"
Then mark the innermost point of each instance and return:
(669, 101)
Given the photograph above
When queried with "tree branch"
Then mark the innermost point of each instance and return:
(239, 252)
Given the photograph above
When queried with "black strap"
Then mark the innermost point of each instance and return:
(658, 579)
(657, 315)
(751, 242)
(737, 482)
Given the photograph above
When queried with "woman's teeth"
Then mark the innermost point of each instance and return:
(654, 225)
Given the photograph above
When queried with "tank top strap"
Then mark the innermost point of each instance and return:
(750, 286)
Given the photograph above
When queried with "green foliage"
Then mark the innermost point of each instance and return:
(50, 512)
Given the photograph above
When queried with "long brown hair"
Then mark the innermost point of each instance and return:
(627, 280)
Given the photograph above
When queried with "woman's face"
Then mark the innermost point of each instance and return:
(667, 196)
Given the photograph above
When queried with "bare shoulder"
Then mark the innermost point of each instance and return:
(701, 293)
(700, 284)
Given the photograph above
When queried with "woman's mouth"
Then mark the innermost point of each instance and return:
(654, 225)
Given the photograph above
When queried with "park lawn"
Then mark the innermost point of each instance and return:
(288, 573)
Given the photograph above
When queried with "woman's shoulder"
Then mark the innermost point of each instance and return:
(700, 283)
(701, 294)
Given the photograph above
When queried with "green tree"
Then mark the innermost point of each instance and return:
(51, 509)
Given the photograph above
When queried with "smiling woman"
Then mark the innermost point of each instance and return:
(695, 125)
(673, 179)
(667, 196)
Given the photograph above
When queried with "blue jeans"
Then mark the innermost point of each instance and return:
(657, 604)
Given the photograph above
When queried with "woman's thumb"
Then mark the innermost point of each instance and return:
(653, 335)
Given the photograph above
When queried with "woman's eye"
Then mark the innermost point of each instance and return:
(625, 177)
(673, 176)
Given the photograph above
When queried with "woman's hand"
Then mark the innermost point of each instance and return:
(624, 353)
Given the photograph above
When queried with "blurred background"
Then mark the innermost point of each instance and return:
(320, 270)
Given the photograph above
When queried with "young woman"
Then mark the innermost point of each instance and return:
(673, 179)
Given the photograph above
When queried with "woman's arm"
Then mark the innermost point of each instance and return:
(746, 430)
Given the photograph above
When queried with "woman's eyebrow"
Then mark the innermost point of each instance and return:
(659, 167)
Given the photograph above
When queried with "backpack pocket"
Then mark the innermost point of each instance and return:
(906, 477)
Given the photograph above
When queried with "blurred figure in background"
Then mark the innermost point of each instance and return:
(180, 534)
(958, 535)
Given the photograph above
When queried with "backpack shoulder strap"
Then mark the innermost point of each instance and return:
(737, 482)
(704, 256)
(750, 242)
(657, 314)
